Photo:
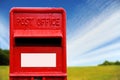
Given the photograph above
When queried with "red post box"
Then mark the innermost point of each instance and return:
(38, 44)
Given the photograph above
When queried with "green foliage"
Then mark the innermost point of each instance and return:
(4, 57)
(110, 63)
(117, 63)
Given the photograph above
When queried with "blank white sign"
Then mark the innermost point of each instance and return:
(38, 59)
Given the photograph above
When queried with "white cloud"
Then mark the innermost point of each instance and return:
(110, 55)
(105, 53)
(101, 30)
(4, 43)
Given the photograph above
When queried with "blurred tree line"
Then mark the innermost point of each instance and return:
(110, 63)
(4, 57)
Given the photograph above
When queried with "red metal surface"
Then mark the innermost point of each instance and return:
(48, 23)
(37, 23)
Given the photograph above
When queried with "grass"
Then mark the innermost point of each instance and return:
(80, 73)
(4, 73)
(94, 73)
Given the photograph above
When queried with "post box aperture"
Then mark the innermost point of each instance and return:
(37, 43)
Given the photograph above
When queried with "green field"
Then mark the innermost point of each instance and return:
(4, 72)
(81, 73)
(94, 73)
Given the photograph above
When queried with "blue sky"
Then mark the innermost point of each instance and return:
(93, 28)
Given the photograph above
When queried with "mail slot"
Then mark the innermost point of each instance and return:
(38, 41)
(37, 44)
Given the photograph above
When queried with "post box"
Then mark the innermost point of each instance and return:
(37, 44)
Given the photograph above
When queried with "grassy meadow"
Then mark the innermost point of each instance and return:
(81, 73)
(94, 73)
(4, 73)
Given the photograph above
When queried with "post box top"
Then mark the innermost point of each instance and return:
(37, 9)
(37, 21)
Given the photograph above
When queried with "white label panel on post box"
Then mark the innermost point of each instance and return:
(38, 59)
